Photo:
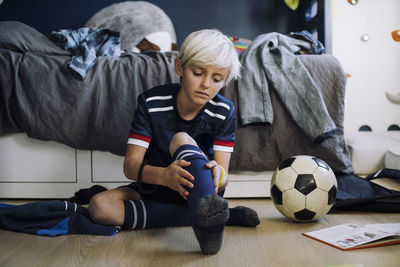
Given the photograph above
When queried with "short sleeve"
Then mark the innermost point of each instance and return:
(141, 130)
(225, 136)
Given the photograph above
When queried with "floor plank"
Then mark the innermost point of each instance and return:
(275, 242)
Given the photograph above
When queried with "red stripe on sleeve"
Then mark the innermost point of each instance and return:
(140, 137)
(224, 143)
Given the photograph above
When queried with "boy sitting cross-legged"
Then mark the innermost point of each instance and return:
(179, 149)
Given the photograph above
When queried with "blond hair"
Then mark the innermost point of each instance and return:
(210, 48)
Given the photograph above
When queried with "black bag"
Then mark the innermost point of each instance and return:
(360, 194)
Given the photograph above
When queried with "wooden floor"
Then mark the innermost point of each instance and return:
(275, 242)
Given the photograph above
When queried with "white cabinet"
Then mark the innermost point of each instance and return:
(31, 168)
(24, 159)
(107, 167)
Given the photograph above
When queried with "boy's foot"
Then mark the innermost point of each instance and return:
(211, 215)
(243, 216)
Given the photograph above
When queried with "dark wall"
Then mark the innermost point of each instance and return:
(243, 18)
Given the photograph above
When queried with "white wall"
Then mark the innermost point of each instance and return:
(374, 65)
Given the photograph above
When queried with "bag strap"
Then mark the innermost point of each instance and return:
(384, 173)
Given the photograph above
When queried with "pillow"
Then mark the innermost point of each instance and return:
(134, 20)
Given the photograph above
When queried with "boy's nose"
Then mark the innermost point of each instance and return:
(206, 82)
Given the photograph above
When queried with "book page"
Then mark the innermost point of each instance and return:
(387, 227)
(349, 235)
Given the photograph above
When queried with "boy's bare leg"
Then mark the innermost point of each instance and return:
(108, 207)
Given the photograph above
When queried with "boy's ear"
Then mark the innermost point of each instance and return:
(178, 67)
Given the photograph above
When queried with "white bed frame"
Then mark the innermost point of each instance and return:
(30, 168)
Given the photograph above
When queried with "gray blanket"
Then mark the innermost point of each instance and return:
(40, 98)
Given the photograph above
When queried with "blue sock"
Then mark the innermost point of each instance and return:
(203, 183)
(146, 214)
(210, 211)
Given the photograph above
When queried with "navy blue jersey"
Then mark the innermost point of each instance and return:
(157, 120)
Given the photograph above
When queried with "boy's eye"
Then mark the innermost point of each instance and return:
(196, 73)
(217, 80)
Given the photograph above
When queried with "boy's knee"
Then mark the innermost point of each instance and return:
(179, 139)
(98, 208)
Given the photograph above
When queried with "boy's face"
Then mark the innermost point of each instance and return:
(200, 84)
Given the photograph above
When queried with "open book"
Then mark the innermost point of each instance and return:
(355, 236)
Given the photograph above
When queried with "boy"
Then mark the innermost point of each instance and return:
(175, 128)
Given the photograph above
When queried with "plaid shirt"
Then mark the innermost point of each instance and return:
(85, 45)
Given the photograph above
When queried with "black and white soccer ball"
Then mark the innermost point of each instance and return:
(303, 188)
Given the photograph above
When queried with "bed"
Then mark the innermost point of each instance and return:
(39, 98)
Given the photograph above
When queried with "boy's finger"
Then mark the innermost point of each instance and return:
(185, 182)
(183, 193)
(187, 175)
(183, 163)
(211, 164)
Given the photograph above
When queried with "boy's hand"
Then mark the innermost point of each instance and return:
(176, 177)
(216, 172)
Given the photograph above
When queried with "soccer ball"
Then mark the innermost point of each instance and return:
(303, 188)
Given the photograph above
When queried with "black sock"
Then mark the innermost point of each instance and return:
(243, 216)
